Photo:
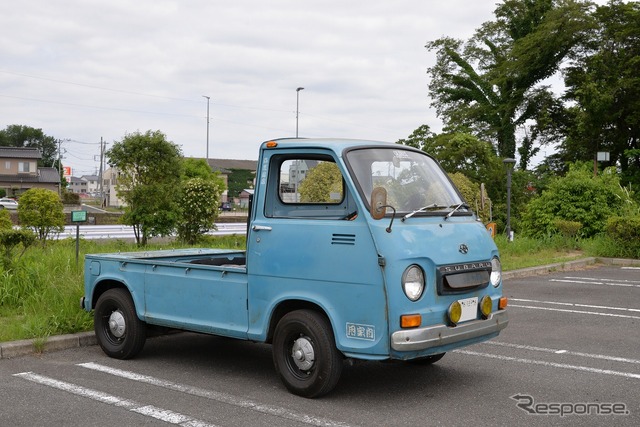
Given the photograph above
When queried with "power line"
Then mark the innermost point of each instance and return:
(97, 87)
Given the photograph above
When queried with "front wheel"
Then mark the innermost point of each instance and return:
(305, 354)
(120, 333)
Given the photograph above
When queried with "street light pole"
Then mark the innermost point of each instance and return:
(297, 107)
(509, 163)
(205, 96)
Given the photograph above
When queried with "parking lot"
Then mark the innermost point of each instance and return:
(571, 355)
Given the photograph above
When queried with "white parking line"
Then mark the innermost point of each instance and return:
(571, 304)
(558, 351)
(591, 313)
(550, 364)
(217, 396)
(582, 280)
(148, 410)
(604, 280)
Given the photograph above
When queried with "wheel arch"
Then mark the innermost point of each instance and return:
(103, 286)
(288, 306)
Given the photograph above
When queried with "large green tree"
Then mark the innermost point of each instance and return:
(492, 83)
(603, 84)
(25, 136)
(150, 169)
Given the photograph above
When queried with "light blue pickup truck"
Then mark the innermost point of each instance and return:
(355, 250)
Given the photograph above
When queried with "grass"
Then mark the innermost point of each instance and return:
(525, 252)
(40, 295)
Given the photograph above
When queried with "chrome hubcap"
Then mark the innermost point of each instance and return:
(117, 324)
(303, 354)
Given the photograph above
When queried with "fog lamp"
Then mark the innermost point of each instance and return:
(486, 305)
(455, 312)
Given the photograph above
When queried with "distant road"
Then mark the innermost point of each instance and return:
(126, 232)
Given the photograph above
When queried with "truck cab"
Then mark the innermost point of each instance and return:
(355, 249)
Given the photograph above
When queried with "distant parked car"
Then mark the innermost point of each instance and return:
(225, 206)
(7, 203)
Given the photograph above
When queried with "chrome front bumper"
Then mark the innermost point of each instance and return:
(435, 336)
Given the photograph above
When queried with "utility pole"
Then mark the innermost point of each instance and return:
(208, 98)
(59, 168)
(100, 178)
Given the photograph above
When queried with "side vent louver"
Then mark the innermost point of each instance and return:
(343, 239)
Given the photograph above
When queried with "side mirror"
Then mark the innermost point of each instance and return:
(378, 203)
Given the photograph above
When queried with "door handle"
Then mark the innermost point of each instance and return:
(261, 228)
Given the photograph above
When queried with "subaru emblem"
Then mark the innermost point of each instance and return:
(463, 248)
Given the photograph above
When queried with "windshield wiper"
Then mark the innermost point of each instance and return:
(422, 209)
(455, 208)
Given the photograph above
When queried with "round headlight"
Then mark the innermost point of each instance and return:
(413, 282)
(496, 272)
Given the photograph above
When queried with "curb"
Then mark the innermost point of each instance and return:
(86, 339)
(44, 345)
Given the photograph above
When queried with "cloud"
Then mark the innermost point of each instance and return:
(86, 70)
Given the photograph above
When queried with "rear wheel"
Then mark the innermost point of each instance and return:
(305, 354)
(120, 333)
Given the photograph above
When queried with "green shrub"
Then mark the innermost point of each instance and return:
(625, 232)
(577, 197)
(69, 198)
(42, 211)
(5, 220)
(471, 192)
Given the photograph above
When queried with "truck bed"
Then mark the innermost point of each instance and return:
(201, 256)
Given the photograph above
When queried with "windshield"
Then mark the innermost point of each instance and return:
(413, 180)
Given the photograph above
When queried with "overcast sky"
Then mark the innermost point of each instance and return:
(82, 70)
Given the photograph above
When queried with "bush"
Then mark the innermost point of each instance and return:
(5, 220)
(199, 200)
(42, 211)
(471, 192)
(578, 197)
(625, 231)
(69, 198)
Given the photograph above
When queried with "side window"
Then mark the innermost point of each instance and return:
(310, 181)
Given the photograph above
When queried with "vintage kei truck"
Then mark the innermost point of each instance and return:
(355, 250)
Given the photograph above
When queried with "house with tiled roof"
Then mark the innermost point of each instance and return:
(19, 171)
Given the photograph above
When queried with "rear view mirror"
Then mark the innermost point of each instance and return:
(378, 203)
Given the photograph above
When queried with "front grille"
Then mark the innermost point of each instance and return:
(459, 278)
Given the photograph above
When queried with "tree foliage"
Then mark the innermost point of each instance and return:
(11, 239)
(238, 180)
(199, 201)
(196, 168)
(150, 169)
(604, 85)
(321, 184)
(491, 84)
(579, 197)
(25, 136)
(41, 210)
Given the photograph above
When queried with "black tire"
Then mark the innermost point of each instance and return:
(428, 360)
(120, 333)
(305, 354)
